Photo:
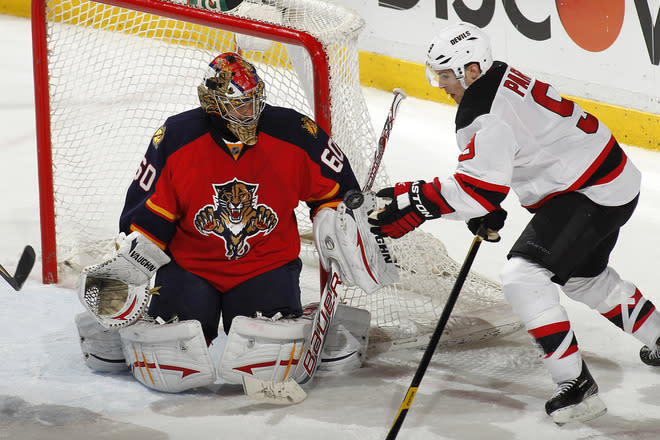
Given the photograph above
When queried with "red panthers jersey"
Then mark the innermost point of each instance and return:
(224, 210)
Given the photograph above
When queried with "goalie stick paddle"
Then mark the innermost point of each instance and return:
(435, 338)
(25, 264)
(287, 392)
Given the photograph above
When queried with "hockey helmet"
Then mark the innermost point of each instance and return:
(233, 90)
(454, 48)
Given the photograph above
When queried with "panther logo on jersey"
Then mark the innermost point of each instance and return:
(235, 216)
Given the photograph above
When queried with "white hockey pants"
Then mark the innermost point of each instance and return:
(535, 300)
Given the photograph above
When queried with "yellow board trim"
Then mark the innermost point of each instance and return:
(20, 8)
(629, 126)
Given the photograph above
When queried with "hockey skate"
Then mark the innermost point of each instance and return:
(650, 357)
(576, 400)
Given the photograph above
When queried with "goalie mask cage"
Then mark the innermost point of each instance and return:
(109, 72)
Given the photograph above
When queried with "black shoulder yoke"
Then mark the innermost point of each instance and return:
(479, 96)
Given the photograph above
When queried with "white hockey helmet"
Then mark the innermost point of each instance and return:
(454, 48)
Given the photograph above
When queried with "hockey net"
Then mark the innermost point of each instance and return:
(116, 69)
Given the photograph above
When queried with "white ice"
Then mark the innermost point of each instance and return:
(490, 391)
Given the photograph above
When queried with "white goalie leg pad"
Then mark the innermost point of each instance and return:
(101, 347)
(168, 357)
(344, 235)
(347, 340)
(117, 290)
(267, 349)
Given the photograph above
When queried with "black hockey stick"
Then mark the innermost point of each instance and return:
(23, 269)
(435, 338)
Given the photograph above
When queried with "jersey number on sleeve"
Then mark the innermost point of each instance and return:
(333, 157)
(564, 108)
(146, 174)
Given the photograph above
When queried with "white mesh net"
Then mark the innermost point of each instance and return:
(116, 74)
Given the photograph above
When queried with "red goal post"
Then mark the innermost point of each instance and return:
(202, 17)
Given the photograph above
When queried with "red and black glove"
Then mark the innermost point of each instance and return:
(412, 204)
(487, 226)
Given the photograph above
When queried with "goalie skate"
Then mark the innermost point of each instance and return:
(576, 400)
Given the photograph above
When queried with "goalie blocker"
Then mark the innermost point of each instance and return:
(343, 235)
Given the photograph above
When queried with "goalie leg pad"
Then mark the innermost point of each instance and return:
(101, 347)
(344, 235)
(268, 349)
(347, 340)
(168, 357)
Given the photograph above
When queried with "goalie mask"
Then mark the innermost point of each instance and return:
(454, 48)
(232, 90)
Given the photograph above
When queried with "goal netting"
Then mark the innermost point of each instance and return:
(109, 72)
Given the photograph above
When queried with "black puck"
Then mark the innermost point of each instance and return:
(353, 199)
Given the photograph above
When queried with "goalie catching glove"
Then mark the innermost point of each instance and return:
(412, 203)
(343, 235)
(117, 290)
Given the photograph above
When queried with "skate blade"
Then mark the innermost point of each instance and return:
(588, 409)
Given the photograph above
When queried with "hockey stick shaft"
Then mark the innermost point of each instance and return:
(399, 95)
(328, 304)
(435, 338)
(353, 200)
(23, 268)
(329, 296)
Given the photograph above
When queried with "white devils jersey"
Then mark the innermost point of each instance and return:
(516, 132)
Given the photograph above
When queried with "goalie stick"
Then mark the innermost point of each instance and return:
(289, 391)
(25, 264)
(430, 349)
(399, 95)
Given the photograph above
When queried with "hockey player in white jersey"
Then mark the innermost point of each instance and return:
(516, 132)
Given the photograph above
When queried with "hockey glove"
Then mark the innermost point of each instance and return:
(492, 223)
(410, 207)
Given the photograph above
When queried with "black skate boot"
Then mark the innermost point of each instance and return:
(576, 400)
(650, 356)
